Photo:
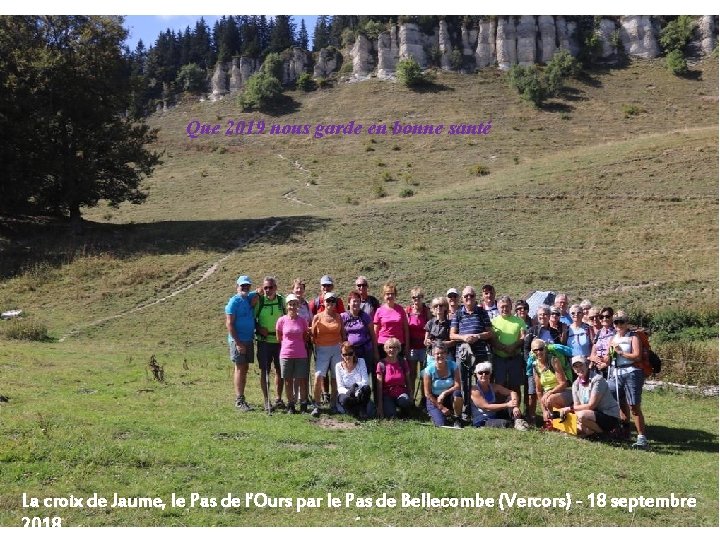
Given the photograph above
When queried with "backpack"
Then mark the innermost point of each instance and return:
(564, 364)
(650, 362)
(281, 303)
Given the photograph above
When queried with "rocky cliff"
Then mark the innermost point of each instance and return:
(495, 41)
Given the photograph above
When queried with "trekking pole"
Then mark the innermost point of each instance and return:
(267, 389)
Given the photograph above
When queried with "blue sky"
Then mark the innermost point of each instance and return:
(147, 27)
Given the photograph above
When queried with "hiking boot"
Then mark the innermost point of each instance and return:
(315, 412)
(457, 423)
(279, 404)
(242, 405)
(303, 407)
(641, 444)
(291, 409)
(521, 425)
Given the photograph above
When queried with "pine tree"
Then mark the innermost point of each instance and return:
(303, 38)
(321, 34)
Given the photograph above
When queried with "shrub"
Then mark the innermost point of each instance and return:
(676, 63)
(632, 110)
(379, 190)
(260, 91)
(456, 59)
(480, 170)
(191, 78)
(409, 73)
(273, 66)
(677, 33)
(305, 82)
(527, 81)
(387, 177)
(407, 192)
(565, 63)
(25, 330)
(372, 29)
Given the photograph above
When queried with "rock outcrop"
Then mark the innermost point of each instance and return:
(218, 82)
(485, 52)
(388, 53)
(547, 40)
(363, 57)
(241, 68)
(708, 30)
(296, 63)
(411, 44)
(566, 32)
(526, 32)
(639, 36)
(468, 37)
(606, 33)
(444, 46)
(506, 43)
(328, 61)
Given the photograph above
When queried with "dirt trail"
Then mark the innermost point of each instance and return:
(153, 302)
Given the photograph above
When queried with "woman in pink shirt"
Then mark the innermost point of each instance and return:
(292, 332)
(390, 321)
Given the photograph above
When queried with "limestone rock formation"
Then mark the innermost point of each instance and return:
(485, 52)
(241, 69)
(363, 58)
(411, 44)
(708, 30)
(219, 82)
(388, 53)
(639, 36)
(294, 64)
(444, 46)
(526, 31)
(566, 32)
(469, 39)
(605, 32)
(506, 42)
(546, 41)
(328, 61)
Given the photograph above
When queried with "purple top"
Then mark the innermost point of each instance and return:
(357, 328)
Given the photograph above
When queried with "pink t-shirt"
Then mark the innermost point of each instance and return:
(394, 380)
(293, 332)
(391, 323)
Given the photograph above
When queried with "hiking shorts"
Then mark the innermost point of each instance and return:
(247, 358)
(631, 384)
(294, 368)
(266, 353)
(326, 357)
(508, 372)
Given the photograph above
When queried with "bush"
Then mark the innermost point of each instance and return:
(260, 91)
(379, 190)
(688, 362)
(191, 78)
(25, 330)
(305, 82)
(632, 110)
(676, 63)
(528, 82)
(407, 192)
(409, 73)
(273, 66)
(480, 170)
(456, 59)
(677, 33)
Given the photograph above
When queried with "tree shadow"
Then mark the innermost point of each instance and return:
(573, 94)
(281, 106)
(693, 75)
(590, 79)
(557, 106)
(28, 242)
(432, 88)
(666, 440)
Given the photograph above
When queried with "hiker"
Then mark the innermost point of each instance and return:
(418, 315)
(240, 323)
(471, 325)
(360, 333)
(599, 354)
(317, 304)
(368, 303)
(557, 323)
(437, 329)
(292, 331)
(493, 405)
(441, 383)
(578, 333)
(585, 306)
(593, 402)
(268, 309)
(303, 305)
(489, 304)
(390, 321)
(551, 381)
(353, 383)
(593, 318)
(561, 303)
(327, 334)
(453, 297)
(627, 377)
(509, 339)
(392, 382)
(541, 330)
(522, 310)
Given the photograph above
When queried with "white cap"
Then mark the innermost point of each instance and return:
(452, 290)
(326, 280)
(291, 298)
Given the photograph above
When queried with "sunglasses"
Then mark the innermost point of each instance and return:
(575, 313)
(417, 297)
(619, 321)
(331, 301)
(452, 295)
(468, 296)
(593, 317)
(538, 350)
(361, 284)
(268, 288)
(436, 306)
(478, 373)
(554, 314)
(605, 317)
(245, 285)
(392, 347)
(518, 308)
(348, 355)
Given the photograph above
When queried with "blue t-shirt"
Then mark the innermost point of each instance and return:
(480, 416)
(438, 384)
(476, 322)
(579, 340)
(244, 313)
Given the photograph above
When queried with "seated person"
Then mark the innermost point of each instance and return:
(441, 382)
(551, 382)
(352, 382)
(594, 404)
(493, 405)
(393, 382)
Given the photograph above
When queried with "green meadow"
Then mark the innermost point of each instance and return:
(609, 193)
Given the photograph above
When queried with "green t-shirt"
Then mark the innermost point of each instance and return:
(267, 312)
(507, 330)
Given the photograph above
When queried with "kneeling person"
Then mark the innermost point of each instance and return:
(352, 383)
(493, 405)
(441, 382)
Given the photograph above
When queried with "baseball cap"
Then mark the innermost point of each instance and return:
(329, 295)
(452, 290)
(291, 298)
(326, 280)
(244, 280)
(579, 360)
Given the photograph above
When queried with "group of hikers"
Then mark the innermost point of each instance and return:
(464, 360)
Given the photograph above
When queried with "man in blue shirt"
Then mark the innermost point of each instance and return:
(240, 323)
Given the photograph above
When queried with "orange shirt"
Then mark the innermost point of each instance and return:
(327, 332)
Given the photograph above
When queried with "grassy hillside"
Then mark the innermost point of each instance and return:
(610, 193)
